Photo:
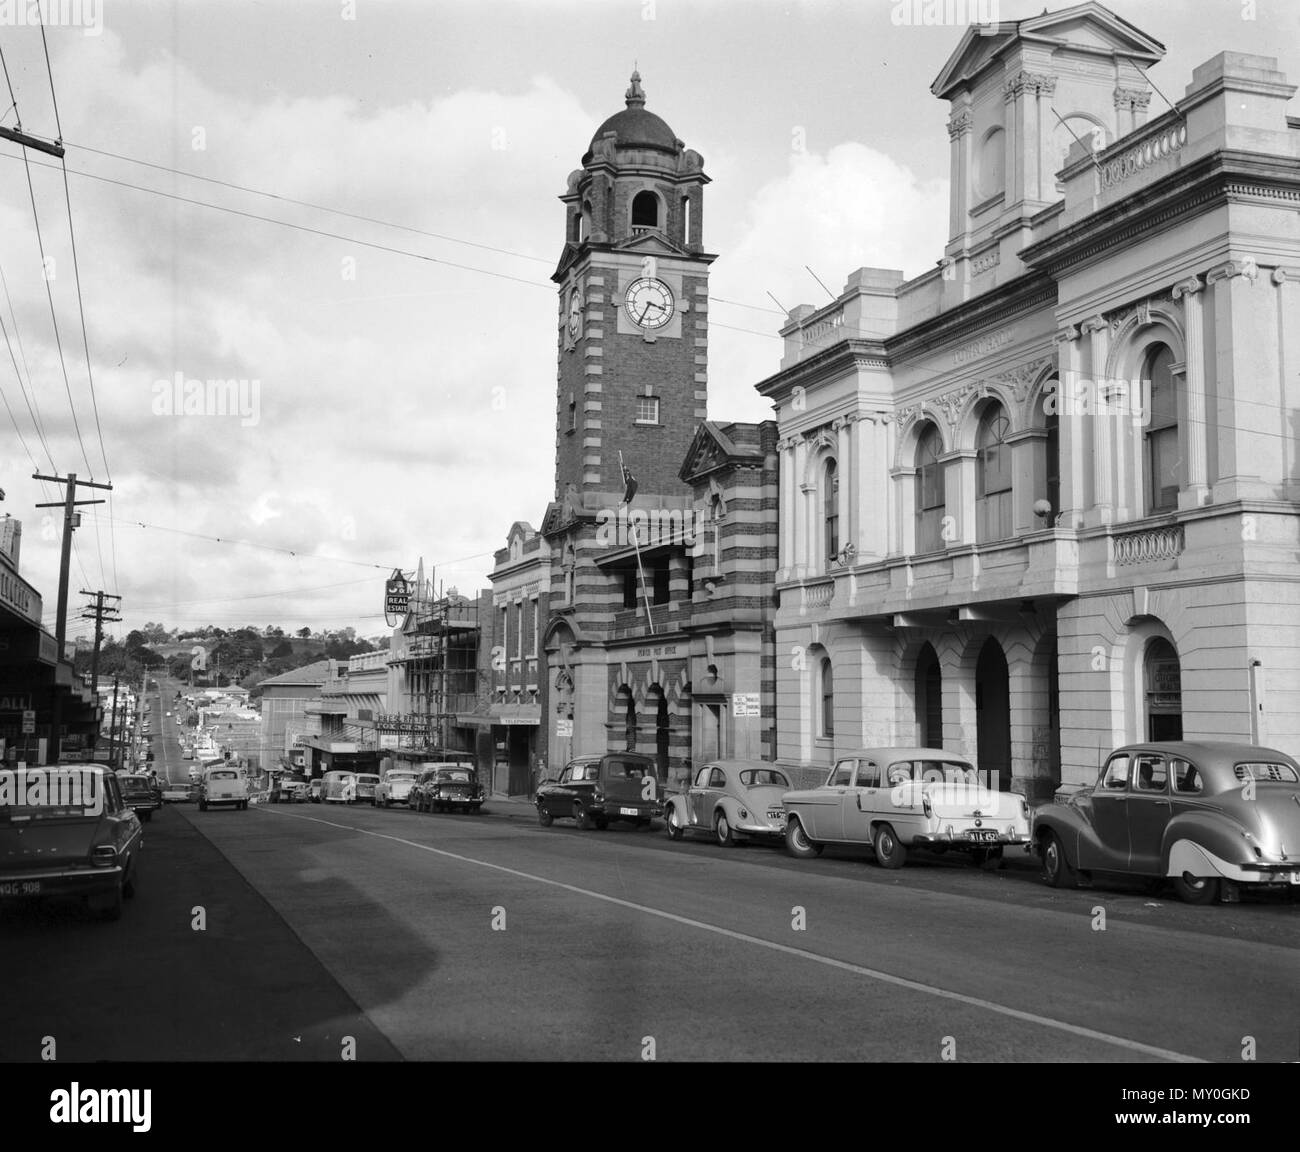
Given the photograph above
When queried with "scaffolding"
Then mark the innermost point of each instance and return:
(441, 664)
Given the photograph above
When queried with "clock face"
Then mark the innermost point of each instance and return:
(649, 302)
(575, 313)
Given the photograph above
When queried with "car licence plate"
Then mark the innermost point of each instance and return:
(629, 812)
(982, 834)
(20, 888)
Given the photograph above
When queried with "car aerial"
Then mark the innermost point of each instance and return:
(177, 792)
(395, 787)
(450, 787)
(732, 800)
(365, 787)
(594, 790)
(1211, 817)
(65, 830)
(223, 784)
(896, 799)
(139, 793)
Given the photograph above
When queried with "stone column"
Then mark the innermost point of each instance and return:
(844, 470)
(1100, 395)
(1195, 434)
(786, 505)
(1072, 440)
(1123, 111)
(959, 137)
(1044, 165)
(799, 509)
(1013, 138)
(1244, 359)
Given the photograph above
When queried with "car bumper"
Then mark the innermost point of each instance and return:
(58, 882)
(961, 840)
(616, 810)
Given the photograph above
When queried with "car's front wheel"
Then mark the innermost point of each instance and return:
(722, 830)
(890, 852)
(1056, 868)
(1196, 889)
(797, 842)
(675, 830)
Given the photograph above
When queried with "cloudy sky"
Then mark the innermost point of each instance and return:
(400, 346)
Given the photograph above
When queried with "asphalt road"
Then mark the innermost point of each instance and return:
(444, 937)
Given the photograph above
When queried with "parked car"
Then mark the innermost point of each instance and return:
(1207, 816)
(593, 790)
(395, 787)
(178, 792)
(337, 787)
(366, 783)
(896, 799)
(77, 836)
(732, 800)
(290, 788)
(450, 787)
(139, 793)
(313, 790)
(223, 784)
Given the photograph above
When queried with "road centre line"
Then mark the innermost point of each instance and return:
(803, 954)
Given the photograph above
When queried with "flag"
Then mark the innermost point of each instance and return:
(629, 483)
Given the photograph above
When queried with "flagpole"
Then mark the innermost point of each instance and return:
(645, 595)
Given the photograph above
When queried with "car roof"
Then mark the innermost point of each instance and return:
(904, 752)
(1206, 749)
(740, 765)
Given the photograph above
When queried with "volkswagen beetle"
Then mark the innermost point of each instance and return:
(1210, 817)
(732, 800)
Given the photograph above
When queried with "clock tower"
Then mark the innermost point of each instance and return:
(633, 312)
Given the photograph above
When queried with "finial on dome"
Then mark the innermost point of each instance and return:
(634, 96)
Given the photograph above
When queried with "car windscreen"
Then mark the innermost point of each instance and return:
(49, 793)
(399, 777)
(460, 775)
(366, 778)
(223, 776)
(757, 777)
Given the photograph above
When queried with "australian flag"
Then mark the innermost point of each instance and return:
(629, 484)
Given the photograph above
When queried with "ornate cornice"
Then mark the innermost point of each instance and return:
(1230, 268)
(1188, 287)
(1033, 82)
(960, 123)
(1094, 324)
(1132, 98)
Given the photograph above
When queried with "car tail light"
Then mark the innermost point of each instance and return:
(105, 856)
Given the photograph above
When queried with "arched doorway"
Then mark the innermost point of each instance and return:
(993, 715)
(656, 705)
(1164, 691)
(929, 699)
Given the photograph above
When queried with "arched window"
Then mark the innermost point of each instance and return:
(1052, 469)
(645, 210)
(929, 699)
(831, 508)
(991, 165)
(584, 230)
(993, 476)
(630, 722)
(715, 524)
(1164, 691)
(930, 500)
(826, 711)
(686, 220)
(1161, 463)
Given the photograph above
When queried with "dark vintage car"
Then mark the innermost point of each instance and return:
(1210, 817)
(593, 790)
(66, 831)
(141, 793)
(733, 800)
(448, 787)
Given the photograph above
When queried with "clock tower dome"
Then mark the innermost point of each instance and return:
(633, 311)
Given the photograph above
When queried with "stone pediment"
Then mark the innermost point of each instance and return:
(710, 449)
(1091, 27)
(650, 244)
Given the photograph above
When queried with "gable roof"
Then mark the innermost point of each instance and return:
(716, 446)
(309, 674)
(1108, 34)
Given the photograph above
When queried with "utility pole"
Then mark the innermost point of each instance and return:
(71, 520)
(99, 613)
(114, 753)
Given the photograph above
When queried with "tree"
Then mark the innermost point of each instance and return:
(281, 650)
(304, 633)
